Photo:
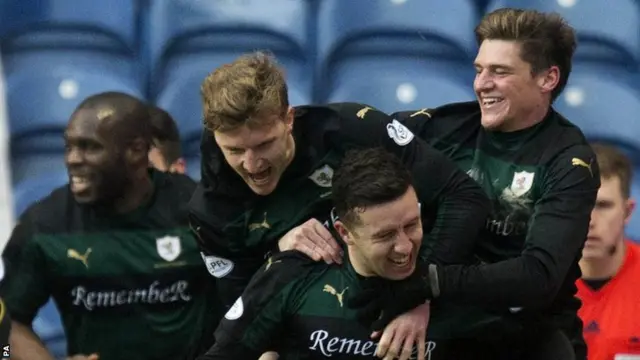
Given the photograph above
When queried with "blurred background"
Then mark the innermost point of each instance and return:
(393, 54)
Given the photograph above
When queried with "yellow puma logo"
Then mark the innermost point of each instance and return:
(271, 262)
(363, 112)
(331, 290)
(261, 225)
(580, 162)
(421, 112)
(84, 258)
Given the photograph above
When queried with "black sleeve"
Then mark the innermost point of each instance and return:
(458, 203)
(255, 323)
(22, 232)
(5, 325)
(556, 236)
(25, 287)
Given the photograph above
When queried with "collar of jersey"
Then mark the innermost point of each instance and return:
(514, 140)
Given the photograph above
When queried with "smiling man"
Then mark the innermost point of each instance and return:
(112, 248)
(267, 171)
(298, 306)
(542, 176)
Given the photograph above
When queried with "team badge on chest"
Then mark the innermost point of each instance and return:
(522, 183)
(322, 176)
(169, 247)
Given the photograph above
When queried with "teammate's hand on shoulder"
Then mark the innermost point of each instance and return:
(314, 240)
(405, 331)
(84, 357)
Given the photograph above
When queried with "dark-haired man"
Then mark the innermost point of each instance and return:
(166, 152)
(298, 306)
(542, 177)
(112, 247)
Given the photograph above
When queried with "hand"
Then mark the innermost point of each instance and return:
(399, 337)
(379, 300)
(93, 356)
(269, 355)
(314, 240)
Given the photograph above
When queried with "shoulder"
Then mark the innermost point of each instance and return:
(343, 111)
(573, 165)
(174, 192)
(181, 185)
(285, 270)
(568, 132)
(448, 111)
(48, 215)
(426, 121)
(289, 264)
(276, 280)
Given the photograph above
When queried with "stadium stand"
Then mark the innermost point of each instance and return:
(392, 28)
(604, 107)
(400, 83)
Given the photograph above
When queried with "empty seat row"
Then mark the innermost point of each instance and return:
(165, 24)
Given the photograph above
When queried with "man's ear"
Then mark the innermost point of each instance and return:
(138, 151)
(344, 232)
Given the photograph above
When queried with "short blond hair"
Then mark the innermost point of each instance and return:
(546, 39)
(244, 92)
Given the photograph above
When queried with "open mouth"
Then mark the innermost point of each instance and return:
(79, 183)
(261, 178)
(401, 262)
(489, 102)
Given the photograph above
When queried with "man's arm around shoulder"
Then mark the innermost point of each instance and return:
(255, 322)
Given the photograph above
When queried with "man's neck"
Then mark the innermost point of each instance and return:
(533, 118)
(136, 195)
(604, 268)
(357, 265)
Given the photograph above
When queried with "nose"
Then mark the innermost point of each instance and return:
(592, 221)
(403, 244)
(483, 82)
(251, 162)
(73, 156)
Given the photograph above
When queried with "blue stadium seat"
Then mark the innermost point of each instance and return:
(180, 94)
(383, 26)
(41, 100)
(37, 187)
(605, 32)
(226, 27)
(53, 23)
(193, 166)
(48, 326)
(604, 107)
(401, 84)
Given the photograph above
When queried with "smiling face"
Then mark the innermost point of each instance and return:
(97, 168)
(260, 154)
(507, 90)
(386, 239)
